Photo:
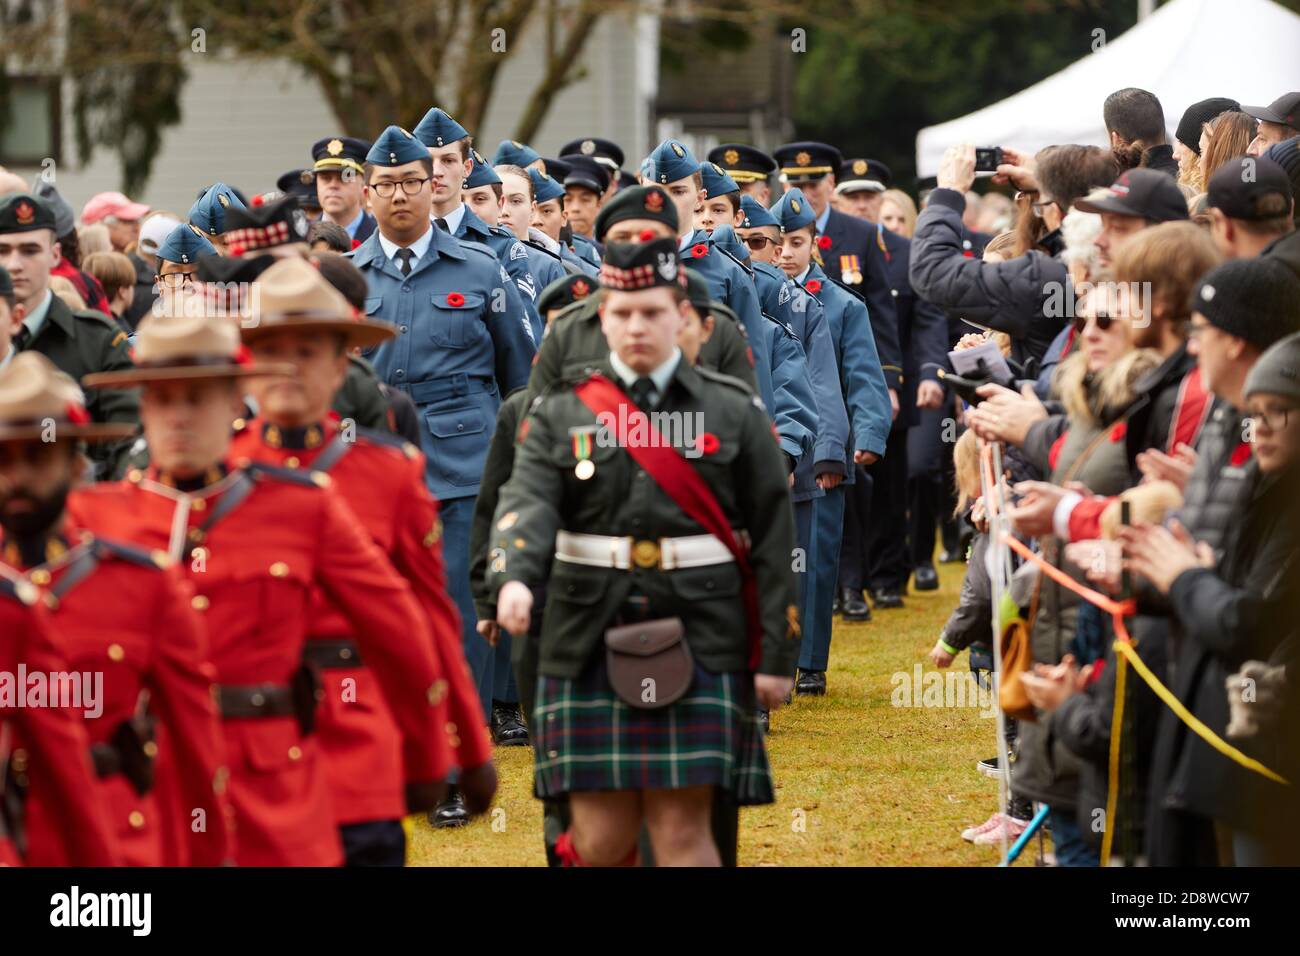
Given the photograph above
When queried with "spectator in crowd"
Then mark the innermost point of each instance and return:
(154, 230)
(1250, 204)
(997, 214)
(1135, 123)
(1287, 155)
(1137, 200)
(1226, 136)
(94, 239)
(1187, 139)
(1017, 296)
(123, 219)
(1278, 121)
(116, 273)
(898, 212)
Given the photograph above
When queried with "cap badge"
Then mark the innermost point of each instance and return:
(25, 214)
(859, 167)
(667, 265)
(305, 177)
(731, 157)
(717, 169)
(803, 158)
(794, 206)
(517, 144)
(587, 147)
(677, 148)
(223, 199)
(334, 147)
(654, 201)
(580, 289)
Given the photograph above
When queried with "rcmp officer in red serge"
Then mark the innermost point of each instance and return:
(255, 542)
(304, 321)
(647, 548)
(120, 610)
(54, 760)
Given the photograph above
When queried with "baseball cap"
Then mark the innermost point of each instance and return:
(1285, 110)
(1240, 187)
(154, 231)
(1147, 193)
(103, 205)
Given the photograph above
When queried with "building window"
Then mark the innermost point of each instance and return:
(29, 123)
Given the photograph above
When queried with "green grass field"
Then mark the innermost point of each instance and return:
(860, 782)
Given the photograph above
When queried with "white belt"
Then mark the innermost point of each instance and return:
(667, 554)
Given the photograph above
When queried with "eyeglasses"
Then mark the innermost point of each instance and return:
(758, 243)
(1270, 421)
(1037, 208)
(1103, 320)
(175, 280)
(386, 189)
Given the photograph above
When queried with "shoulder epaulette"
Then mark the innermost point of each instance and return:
(721, 379)
(294, 476)
(94, 315)
(541, 248)
(132, 554)
(785, 327)
(850, 290)
(376, 436)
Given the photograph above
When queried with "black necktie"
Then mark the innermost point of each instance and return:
(404, 257)
(442, 224)
(642, 391)
(23, 337)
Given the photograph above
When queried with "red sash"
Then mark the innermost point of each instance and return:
(683, 484)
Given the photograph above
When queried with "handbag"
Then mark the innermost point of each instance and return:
(649, 663)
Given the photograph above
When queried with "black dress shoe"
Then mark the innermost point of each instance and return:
(853, 606)
(508, 728)
(765, 719)
(835, 605)
(925, 578)
(954, 556)
(886, 598)
(451, 812)
(810, 684)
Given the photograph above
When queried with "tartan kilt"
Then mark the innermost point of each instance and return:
(586, 739)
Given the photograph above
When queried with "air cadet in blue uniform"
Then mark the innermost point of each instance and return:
(586, 186)
(513, 153)
(748, 166)
(208, 214)
(451, 167)
(340, 193)
(456, 353)
(301, 184)
(548, 197)
(604, 151)
(178, 257)
(515, 211)
(867, 400)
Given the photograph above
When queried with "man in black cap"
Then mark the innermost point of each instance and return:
(80, 343)
(301, 184)
(1251, 204)
(1139, 198)
(605, 152)
(340, 183)
(749, 167)
(586, 187)
(861, 186)
(1278, 121)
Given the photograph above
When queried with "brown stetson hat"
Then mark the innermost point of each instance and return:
(183, 343)
(293, 295)
(38, 402)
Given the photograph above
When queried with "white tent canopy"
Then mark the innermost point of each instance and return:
(1186, 51)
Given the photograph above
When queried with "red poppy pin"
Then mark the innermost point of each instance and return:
(243, 356)
(654, 201)
(24, 213)
(699, 250)
(1240, 454)
(77, 414)
(258, 200)
(647, 235)
(813, 285)
(823, 242)
(455, 300)
(356, 243)
(1119, 431)
(708, 443)
(580, 289)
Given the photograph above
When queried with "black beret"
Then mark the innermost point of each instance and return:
(23, 212)
(566, 291)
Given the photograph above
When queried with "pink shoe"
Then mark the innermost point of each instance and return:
(970, 833)
(993, 836)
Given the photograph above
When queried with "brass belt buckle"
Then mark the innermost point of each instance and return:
(645, 554)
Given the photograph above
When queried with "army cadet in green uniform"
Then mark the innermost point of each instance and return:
(78, 342)
(575, 342)
(655, 542)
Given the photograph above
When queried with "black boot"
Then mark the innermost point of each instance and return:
(926, 578)
(508, 728)
(886, 598)
(853, 606)
(451, 812)
(810, 683)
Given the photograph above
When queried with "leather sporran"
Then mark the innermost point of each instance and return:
(649, 663)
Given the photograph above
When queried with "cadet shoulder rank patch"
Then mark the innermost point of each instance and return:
(517, 251)
(784, 296)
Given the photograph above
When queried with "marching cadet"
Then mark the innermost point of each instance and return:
(178, 261)
(551, 220)
(708, 578)
(53, 761)
(861, 186)
(450, 150)
(455, 354)
(77, 342)
(340, 184)
(749, 167)
(513, 153)
(305, 322)
(119, 610)
(255, 541)
(485, 195)
(605, 152)
(864, 394)
(849, 247)
(586, 187)
(301, 184)
(208, 214)
(517, 213)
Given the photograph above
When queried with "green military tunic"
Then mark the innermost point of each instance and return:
(574, 343)
(744, 469)
(360, 398)
(81, 343)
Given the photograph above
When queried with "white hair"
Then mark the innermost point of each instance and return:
(1079, 230)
